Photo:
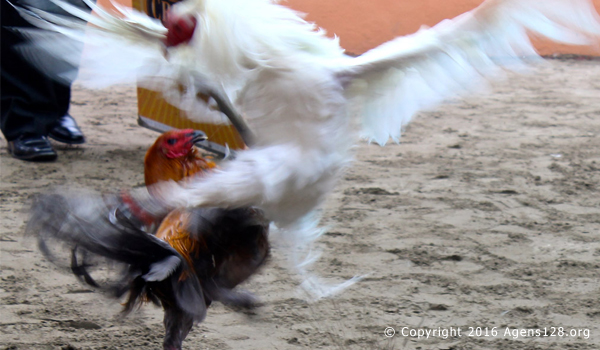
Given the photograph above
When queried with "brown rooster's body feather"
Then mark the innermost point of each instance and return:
(174, 230)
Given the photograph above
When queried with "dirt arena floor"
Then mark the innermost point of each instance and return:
(485, 219)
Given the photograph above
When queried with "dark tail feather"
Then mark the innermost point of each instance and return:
(82, 231)
(137, 295)
(190, 297)
(80, 270)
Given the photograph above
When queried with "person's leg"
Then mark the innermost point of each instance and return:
(31, 102)
(32, 105)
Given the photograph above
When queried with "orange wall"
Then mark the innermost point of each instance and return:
(364, 24)
(107, 3)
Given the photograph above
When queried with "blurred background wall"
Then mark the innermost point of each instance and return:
(364, 24)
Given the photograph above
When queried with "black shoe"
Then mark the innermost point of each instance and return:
(32, 147)
(67, 131)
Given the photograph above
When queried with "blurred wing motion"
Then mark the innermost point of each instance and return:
(403, 76)
(419, 71)
(398, 78)
(196, 256)
(112, 41)
(92, 227)
(84, 232)
(123, 46)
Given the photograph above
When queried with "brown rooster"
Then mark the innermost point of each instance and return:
(234, 256)
(196, 256)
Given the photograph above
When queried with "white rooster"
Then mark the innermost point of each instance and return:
(305, 101)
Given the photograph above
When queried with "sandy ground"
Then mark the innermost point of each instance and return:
(485, 218)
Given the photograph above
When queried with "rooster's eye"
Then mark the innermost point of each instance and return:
(172, 141)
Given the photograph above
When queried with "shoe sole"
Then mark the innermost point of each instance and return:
(38, 157)
(68, 142)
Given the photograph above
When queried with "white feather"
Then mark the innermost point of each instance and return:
(111, 50)
(420, 71)
(298, 91)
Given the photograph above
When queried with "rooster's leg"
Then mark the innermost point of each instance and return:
(177, 326)
(218, 94)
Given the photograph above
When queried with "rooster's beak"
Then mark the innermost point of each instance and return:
(198, 136)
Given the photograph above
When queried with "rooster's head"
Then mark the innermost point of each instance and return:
(178, 143)
(180, 28)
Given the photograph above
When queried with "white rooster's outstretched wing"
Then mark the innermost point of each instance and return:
(419, 71)
(119, 48)
(131, 24)
(105, 48)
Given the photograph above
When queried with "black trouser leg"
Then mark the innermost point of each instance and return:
(31, 102)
